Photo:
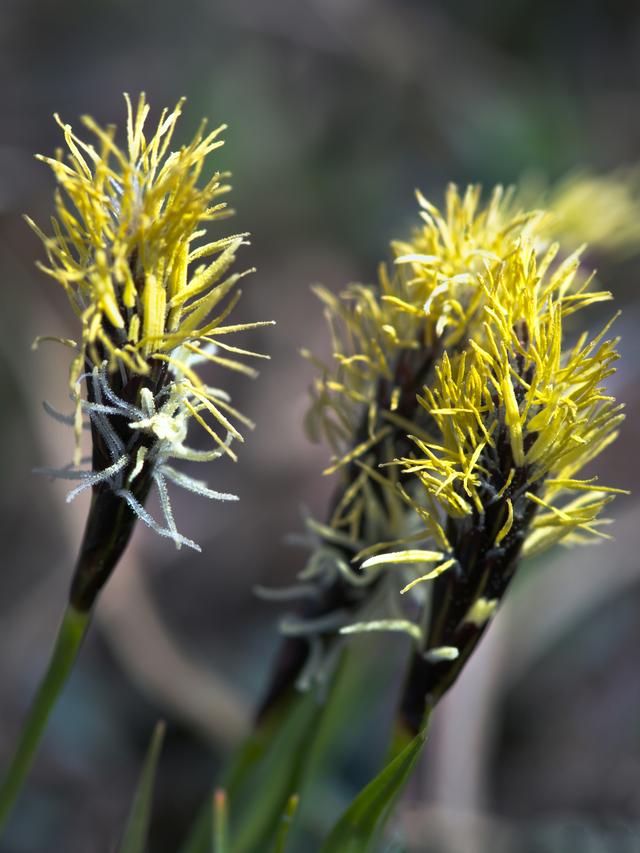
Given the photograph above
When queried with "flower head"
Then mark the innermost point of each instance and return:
(460, 420)
(516, 415)
(512, 413)
(388, 337)
(152, 297)
(123, 240)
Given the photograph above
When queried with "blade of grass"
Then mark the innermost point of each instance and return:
(220, 822)
(136, 831)
(259, 782)
(364, 820)
(285, 824)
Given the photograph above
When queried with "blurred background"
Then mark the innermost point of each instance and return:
(337, 110)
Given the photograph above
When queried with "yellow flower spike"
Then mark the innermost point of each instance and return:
(542, 407)
(514, 414)
(459, 421)
(388, 337)
(128, 249)
(123, 249)
(123, 234)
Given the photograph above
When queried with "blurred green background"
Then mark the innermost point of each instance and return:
(337, 110)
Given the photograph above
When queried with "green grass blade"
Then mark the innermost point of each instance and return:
(285, 824)
(263, 777)
(264, 794)
(136, 831)
(364, 820)
(200, 833)
(220, 822)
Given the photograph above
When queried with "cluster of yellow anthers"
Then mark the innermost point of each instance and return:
(152, 302)
(122, 248)
(386, 338)
(454, 372)
(515, 416)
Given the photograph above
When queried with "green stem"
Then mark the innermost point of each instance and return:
(72, 630)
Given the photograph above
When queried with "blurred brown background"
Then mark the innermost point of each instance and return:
(337, 110)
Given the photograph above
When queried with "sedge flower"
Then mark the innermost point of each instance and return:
(514, 415)
(461, 421)
(152, 296)
(387, 339)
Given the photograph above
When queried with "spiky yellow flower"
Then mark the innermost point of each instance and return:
(387, 337)
(460, 421)
(152, 296)
(516, 415)
(512, 414)
(122, 244)
(123, 247)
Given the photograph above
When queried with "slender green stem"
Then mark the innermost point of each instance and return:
(220, 822)
(70, 635)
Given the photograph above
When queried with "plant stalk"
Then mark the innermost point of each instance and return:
(70, 635)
